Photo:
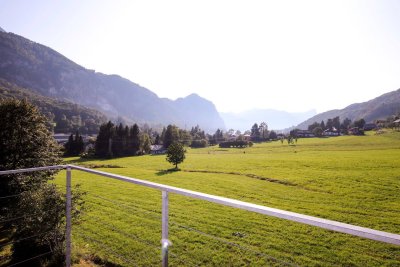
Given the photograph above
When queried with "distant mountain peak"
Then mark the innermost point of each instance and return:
(44, 71)
(193, 95)
(276, 119)
(188, 97)
(2, 30)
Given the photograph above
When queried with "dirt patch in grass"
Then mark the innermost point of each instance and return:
(254, 176)
(272, 180)
(97, 166)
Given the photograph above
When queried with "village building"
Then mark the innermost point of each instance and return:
(331, 132)
(369, 126)
(157, 150)
(61, 138)
(246, 137)
(304, 133)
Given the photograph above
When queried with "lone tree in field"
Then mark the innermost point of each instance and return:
(25, 142)
(175, 154)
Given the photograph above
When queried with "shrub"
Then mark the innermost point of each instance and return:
(237, 144)
(199, 143)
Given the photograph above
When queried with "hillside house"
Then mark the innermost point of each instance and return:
(246, 137)
(157, 150)
(396, 124)
(61, 138)
(369, 126)
(354, 131)
(331, 132)
(381, 123)
(232, 137)
(304, 133)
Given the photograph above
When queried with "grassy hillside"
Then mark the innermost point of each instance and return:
(350, 179)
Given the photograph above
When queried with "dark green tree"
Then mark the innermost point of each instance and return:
(197, 133)
(135, 138)
(175, 154)
(74, 146)
(317, 131)
(145, 143)
(26, 143)
(329, 124)
(217, 137)
(171, 135)
(255, 132)
(359, 123)
(336, 123)
(157, 140)
(263, 128)
(311, 127)
(119, 141)
(345, 125)
(322, 125)
(162, 137)
(273, 135)
(185, 137)
(69, 145)
(103, 145)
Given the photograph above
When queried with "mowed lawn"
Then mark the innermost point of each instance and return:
(352, 179)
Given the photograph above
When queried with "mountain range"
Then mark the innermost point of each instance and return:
(62, 116)
(378, 108)
(41, 69)
(41, 74)
(275, 119)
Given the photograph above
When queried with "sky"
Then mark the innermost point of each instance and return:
(287, 55)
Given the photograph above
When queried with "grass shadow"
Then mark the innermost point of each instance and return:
(164, 172)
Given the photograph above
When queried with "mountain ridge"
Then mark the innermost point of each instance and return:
(41, 69)
(63, 117)
(276, 119)
(380, 107)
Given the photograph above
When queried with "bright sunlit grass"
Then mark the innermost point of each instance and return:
(350, 179)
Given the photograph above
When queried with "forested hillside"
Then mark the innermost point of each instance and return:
(377, 108)
(41, 69)
(64, 117)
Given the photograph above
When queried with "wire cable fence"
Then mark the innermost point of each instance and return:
(30, 259)
(123, 224)
(135, 214)
(177, 225)
(7, 228)
(149, 256)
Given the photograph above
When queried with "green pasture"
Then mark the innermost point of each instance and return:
(352, 179)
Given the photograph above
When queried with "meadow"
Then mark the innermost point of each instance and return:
(352, 179)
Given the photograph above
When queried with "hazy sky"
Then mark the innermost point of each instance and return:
(287, 55)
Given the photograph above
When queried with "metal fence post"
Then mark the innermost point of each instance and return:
(165, 243)
(68, 220)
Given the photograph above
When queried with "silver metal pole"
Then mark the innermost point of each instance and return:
(165, 243)
(68, 220)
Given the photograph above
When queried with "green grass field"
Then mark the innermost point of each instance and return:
(352, 179)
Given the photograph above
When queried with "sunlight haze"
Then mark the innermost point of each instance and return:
(285, 55)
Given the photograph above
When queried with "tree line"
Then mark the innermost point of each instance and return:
(123, 140)
(62, 117)
(335, 124)
(257, 133)
(117, 141)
